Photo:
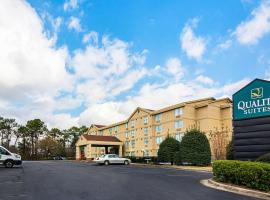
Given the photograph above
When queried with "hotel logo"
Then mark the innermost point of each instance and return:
(257, 93)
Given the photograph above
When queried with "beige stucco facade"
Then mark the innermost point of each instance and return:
(145, 129)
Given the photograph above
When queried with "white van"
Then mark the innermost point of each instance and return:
(9, 159)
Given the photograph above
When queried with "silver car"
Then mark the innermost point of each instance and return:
(108, 159)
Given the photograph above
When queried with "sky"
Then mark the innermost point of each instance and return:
(82, 62)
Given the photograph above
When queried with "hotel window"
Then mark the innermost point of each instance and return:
(132, 153)
(158, 128)
(100, 132)
(145, 120)
(126, 134)
(158, 139)
(132, 123)
(158, 117)
(126, 144)
(132, 133)
(133, 143)
(178, 112)
(145, 130)
(146, 153)
(145, 141)
(126, 125)
(179, 136)
(110, 131)
(178, 124)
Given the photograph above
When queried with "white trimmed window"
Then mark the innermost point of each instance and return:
(127, 144)
(146, 153)
(158, 117)
(110, 130)
(158, 139)
(145, 141)
(133, 143)
(132, 133)
(132, 123)
(145, 130)
(126, 133)
(158, 128)
(145, 120)
(178, 124)
(179, 136)
(100, 132)
(126, 125)
(178, 112)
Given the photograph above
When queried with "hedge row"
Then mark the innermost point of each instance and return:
(250, 174)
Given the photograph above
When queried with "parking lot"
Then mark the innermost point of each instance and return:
(67, 180)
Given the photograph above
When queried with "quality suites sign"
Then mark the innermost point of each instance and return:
(252, 101)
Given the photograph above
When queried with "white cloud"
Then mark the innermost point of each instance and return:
(229, 88)
(175, 68)
(105, 113)
(127, 82)
(62, 121)
(155, 96)
(194, 46)
(24, 52)
(74, 23)
(32, 69)
(70, 4)
(205, 80)
(54, 26)
(57, 23)
(252, 30)
(225, 45)
(107, 70)
(91, 37)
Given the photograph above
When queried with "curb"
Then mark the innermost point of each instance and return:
(172, 167)
(234, 189)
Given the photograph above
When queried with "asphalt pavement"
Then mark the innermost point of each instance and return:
(68, 180)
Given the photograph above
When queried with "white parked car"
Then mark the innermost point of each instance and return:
(9, 159)
(108, 159)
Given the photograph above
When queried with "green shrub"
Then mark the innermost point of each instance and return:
(229, 151)
(250, 174)
(264, 158)
(195, 148)
(167, 150)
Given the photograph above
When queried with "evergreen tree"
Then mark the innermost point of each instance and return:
(195, 148)
(167, 150)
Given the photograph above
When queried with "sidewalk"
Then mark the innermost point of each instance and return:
(191, 168)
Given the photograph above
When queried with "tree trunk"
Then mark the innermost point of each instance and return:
(32, 147)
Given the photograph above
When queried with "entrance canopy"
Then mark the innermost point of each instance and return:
(86, 142)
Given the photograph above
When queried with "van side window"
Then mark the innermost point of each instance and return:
(4, 152)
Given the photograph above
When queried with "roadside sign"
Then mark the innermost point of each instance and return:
(252, 101)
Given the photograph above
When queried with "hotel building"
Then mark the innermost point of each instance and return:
(141, 134)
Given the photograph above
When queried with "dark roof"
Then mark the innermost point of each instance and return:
(101, 138)
(98, 125)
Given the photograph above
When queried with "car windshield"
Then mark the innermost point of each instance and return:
(102, 156)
